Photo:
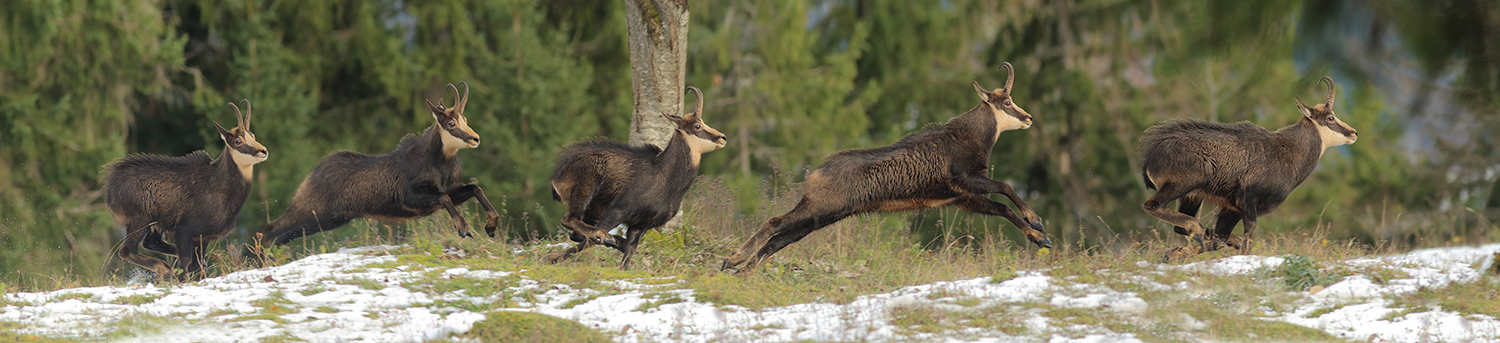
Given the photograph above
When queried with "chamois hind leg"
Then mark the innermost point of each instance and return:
(128, 249)
(578, 199)
(1224, 228)
(791, 232)
(305, 225)
(1166, 192)
(578, 226)
(983, 205)
(463, 193)
(155, 243)
(632, 240)
(757, 240)
(1188, 205)
(190, 257)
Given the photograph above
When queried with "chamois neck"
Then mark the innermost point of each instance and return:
(236, 163)
(431, 144)
(977, 124)
(678, 156)
(1303, 147)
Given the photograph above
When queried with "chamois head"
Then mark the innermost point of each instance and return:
(452, 123)
(1332, 130)
(701, 138)
(1008, 115)
(242, 146)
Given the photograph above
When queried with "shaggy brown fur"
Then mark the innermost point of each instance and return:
(940, 166)
(1243, 168)
(191, 199)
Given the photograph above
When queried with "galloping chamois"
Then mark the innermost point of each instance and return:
(1243, 168)
(192, 198)
(418, 178)
(606, 183)
(936, 167)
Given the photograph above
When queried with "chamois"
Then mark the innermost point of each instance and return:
(1241, 167)
(939, 166)
(606, 183)
(416, 179)
(192, 198)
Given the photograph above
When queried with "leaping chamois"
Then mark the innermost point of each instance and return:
(416, 179)
(936, 167)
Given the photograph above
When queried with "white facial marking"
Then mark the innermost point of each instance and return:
(1332, 138)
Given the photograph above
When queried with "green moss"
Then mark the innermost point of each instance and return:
(924, 319)
(1480, 297)
(138, 299)
(363, 283)
(282, 338)
(523, 327)
(658, 300)
(71, 296)
(8, 334)
(325, 309)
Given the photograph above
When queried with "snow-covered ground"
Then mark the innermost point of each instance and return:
(341, 297)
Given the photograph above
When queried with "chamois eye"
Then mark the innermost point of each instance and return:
(452, 123)
(1330, 118)
(697, 126)
(237, 141)
(1007, 103)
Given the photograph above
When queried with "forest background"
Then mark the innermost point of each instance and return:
(83, 83)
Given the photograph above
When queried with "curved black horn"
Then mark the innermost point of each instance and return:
(238, 116)
(456, 97)
(1329, 100)
(248, 111)
(699, 109)
(463, 102)
(1010, 76)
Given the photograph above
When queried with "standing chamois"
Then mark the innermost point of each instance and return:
(936, 167)
(1241, 167)
(606, 183)
(418, 178)
(192, 198)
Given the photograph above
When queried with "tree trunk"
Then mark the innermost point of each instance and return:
(658, 64)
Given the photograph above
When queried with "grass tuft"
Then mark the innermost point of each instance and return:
(525, 327)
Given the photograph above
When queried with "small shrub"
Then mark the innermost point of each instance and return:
(1301, 272)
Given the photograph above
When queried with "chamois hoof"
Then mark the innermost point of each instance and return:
(465, 234)
(1045, 243)
(608, 242)
(1036, 226)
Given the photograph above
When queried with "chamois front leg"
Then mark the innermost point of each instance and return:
(983, 185)
(983, 205)
(752, 244)
(463, 193)
(1250, 225)
(458, 220)
(154, 242)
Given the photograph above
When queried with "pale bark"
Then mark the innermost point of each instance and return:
(657, 30)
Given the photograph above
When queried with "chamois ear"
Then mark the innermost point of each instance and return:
(674, 118)
(984, 95)
(1301, 107)
(223, 134)
(438, 108)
